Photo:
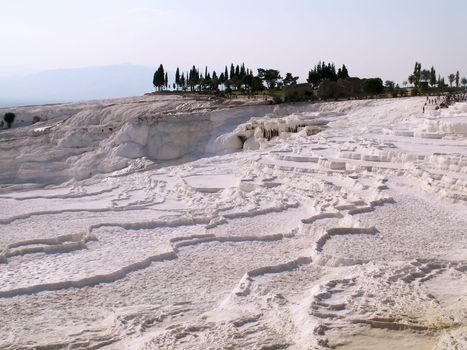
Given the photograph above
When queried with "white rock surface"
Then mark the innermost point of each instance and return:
(192, 223)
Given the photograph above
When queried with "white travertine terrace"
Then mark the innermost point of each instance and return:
(194, 223)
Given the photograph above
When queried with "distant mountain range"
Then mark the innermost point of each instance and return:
(64, 85)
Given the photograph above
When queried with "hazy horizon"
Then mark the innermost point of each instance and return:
(79, 84)
(373, 39)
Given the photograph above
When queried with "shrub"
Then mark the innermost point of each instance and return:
(373, 86)
(9, 118)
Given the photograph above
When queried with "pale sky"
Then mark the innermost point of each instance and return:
(373, 38)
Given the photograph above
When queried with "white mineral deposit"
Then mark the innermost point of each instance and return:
(170, 222)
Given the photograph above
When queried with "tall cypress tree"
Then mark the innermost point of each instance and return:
(215, 81)
(182, 81)
(345, 73)
(201, 83)
(222, 78)
(242, 71)
(417, 73)
(432, 76)
(177, 78)
(190, 78)
(194, 78)
(158, 79)
(154, 78)
(207, 81)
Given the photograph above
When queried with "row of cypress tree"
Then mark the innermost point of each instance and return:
(237, 78)
(323, 71)
(240, 77)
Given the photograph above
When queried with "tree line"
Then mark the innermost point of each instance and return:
(423, 78)
(236, 78)
(240, 78)
(323, 71)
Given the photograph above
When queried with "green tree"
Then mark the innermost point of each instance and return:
(389, 85)
(232, 71)
(342, 73)
(269, 76)
(222, 78)
(236, 82)
(9, 118)
(451, 78)
(242, 72)
(372, 86)
(345, 73)
(166, 80)
(314, 78)
(425, 75)
(208, 81)
(159, 78)
(457, 79)
(417, 74)
(215, 81)
(227, 85)
(193, 78)
(183, 82)
(323, 71)
(290, 79)
(432, 77)
(177, 78)
(201, 83)
(414, 78)
(464, 82)
(256, 84)
(248, 80)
